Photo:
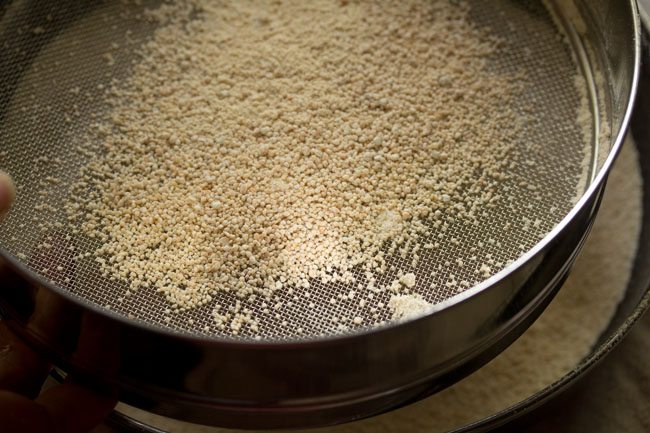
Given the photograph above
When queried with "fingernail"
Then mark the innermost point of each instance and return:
(7, 192)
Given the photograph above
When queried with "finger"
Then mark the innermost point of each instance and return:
(74, 408)
(21, 415)
(7, 192)
(21, 370)
(98, 345)
(65, 408)
(52, 319)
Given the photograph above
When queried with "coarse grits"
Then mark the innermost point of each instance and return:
(300, 154)
(408, 306)
(247, 155)
(550, 349)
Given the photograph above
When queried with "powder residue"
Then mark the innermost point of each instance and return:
(405, 307)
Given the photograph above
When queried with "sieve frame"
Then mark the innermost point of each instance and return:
(304, 383)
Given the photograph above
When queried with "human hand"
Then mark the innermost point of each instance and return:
(65, 408)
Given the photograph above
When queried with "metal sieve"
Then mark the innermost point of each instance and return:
(70, 68)
(53, 69)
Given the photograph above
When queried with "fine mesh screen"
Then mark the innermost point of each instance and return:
(53, 69)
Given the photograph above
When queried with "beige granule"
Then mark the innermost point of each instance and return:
(405, 307)
(408, 280)
(267, 144)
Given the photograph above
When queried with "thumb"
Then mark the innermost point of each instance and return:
(7, 192)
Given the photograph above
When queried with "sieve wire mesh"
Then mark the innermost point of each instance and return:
(52, 74)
